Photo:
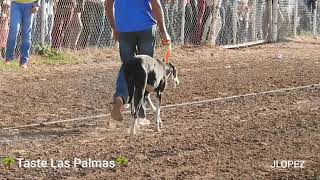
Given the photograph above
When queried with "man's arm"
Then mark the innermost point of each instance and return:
(110, 14)
(158, 14)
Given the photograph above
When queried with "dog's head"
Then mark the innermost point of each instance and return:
(172, 74)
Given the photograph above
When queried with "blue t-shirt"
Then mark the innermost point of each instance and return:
(133, 15)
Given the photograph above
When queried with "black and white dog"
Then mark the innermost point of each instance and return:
(145, 74)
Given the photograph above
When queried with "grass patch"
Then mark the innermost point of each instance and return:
(60, 59)
(51, 56)
(44, 55)
(14, 66)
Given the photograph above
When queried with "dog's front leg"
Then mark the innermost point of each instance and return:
(157, 114)
(134, 120)
(150, 103)
(134, 125)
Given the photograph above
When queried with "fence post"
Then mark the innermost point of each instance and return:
(183, 20)
(235, 22)
(213, 33)
(295, 20)
(269, 30)
(314, 23)
(275, 9)
(43, 22)
(216, 25)
(253, 18)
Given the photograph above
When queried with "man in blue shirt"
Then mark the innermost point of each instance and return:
(133, 24)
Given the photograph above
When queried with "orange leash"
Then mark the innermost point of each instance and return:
(167, 50)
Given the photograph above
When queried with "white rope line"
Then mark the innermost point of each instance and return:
(170, 106)
(56, 122)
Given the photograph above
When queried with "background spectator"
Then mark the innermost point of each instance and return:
(21, 17)
(4, 24)
(49, 6)
(190, 20)
(62, 18)
(93, 23)
(75, 27)
(200, 20)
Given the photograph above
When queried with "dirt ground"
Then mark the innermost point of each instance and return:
(236, 138)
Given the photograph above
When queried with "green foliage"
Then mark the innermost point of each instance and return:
(46, 51)
(8, 162)
(122, 161)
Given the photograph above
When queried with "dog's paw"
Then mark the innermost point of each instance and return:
(160, 122)
(133, 132)
(157, 129)
(134, 129)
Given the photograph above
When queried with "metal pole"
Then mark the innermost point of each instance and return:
(183, 20)
(43, 22)
(315, 19)
(253, 18)
(235, 22)
(295, 21)
(269, 27)
(275, 9)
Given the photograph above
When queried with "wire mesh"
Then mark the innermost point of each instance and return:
(4, 24)
(244, 21)
(78, 24)
(305, 17)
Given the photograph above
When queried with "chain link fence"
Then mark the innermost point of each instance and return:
(243, 21)
(78, 24)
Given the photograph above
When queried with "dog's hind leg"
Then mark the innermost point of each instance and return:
(149, 101)
(134, 126)
(157, 115)
(138, 100)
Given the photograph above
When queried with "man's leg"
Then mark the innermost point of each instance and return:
(15, 21)
(127, 46)
(86, 23)
(26, 30)
(50, 21)
(97, 27)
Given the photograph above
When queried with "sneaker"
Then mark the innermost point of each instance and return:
(7, 62)
(24, 66)
(117, 107)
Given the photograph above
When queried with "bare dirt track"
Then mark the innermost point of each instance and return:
(238, 138)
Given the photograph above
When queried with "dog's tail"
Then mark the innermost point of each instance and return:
(140, 76)
(136, 77)
(130, 83)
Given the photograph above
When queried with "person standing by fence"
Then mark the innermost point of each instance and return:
(62, 18)
(134, 25)
(93, 23)
(200, 21)
(4, 25)
(21, 16)
(75, 27)
(48, 14)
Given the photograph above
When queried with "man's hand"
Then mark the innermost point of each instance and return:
(166, 40)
